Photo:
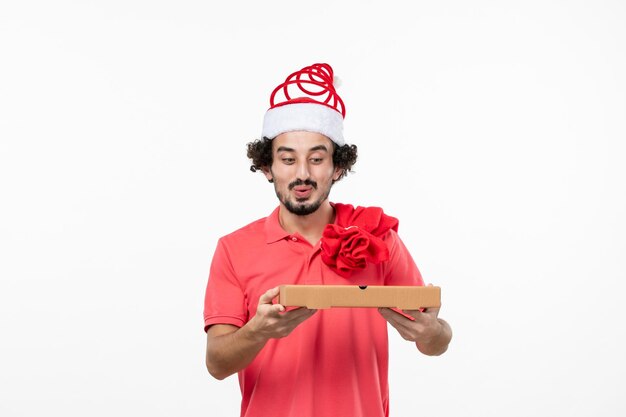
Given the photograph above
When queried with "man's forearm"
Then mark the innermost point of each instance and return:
(438, 344)
(230, 349)
(231, 352)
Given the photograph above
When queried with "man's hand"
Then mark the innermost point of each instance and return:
(424, 328)
(430, 333)
(272, 321)
(230, 348)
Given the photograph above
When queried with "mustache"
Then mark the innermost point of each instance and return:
(303, 182)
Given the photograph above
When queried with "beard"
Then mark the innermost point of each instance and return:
(301, 207)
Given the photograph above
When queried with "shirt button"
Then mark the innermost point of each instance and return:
(295, 239)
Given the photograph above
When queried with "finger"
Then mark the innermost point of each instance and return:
(391, 316)
(413, 313)
(307, 314)
(419, 315)
(269, 310)
(398, 322)
(279, 308)
(387, 314)
(269, 296)
(300, 313)
(398, 312)
(293, 319)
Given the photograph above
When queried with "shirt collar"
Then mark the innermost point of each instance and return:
(273, 230)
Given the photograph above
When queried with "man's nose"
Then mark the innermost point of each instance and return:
(302, 171)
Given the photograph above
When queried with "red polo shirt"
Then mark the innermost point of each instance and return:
(333, 364)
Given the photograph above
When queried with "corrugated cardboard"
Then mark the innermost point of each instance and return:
(326, 296)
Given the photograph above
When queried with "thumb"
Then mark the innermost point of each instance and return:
(269, 296)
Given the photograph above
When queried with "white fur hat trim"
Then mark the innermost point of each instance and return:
(310, 117)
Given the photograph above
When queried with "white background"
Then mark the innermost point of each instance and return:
(494, 130)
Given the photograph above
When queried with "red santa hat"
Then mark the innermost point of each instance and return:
(306, 100)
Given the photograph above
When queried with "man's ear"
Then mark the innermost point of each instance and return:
(268, 174)
(337, 174)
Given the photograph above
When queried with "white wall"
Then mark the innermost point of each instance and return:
(494, 130)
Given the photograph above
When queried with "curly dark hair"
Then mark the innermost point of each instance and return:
(260, 152)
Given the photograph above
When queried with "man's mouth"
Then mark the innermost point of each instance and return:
(302, 191)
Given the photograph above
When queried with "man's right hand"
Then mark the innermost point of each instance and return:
(230, 348)
(272, 321)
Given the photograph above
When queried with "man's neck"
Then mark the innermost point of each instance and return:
(310, 226)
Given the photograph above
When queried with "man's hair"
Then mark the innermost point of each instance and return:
(260, 152)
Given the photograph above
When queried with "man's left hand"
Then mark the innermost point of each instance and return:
(430, 333)
(424, 328)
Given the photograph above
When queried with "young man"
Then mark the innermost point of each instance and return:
(302, 362)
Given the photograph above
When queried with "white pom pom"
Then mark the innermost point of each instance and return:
(336, 81)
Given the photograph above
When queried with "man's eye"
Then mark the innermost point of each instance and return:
(317, 160)
(288, 160)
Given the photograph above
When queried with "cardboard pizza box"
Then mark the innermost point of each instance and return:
(327, 296)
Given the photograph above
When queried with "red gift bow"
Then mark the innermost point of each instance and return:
(356, 238)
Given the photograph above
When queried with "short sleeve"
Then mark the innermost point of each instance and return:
(401, 268)
(224, 301)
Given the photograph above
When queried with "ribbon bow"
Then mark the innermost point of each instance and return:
(356, 238)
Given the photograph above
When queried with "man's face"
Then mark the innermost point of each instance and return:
(302, 170)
